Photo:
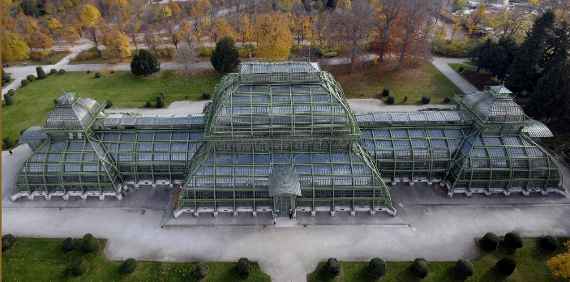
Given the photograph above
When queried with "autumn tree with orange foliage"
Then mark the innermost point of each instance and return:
(274, 38)
(559, 265)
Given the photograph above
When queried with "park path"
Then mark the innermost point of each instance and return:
(442, 64)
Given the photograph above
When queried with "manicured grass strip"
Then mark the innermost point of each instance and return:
(478, 79)
(531, 267)
(33, 102)
(423, 80)
(40, 259)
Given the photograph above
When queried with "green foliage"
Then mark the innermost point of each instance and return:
(78, 266)
(506, 266)
(8, 100)
(206, 96)
(11, 92)
(128, 266)
(548, 244)
(205, 52)
(332, 267)
(40, 73)
(390, 100)
(512, 241)
(68, 245)
(200, 271)
(31, 77)
(89, 244)
(489, 242)
(453, 48)
(419, 268)
(8, 241)
(425, 100)
(225, 57)
(108, 104)
(385, 92)
(7, 143)
(144, 63)
(463, 269)
(376, 268)
(24, 82)
(496, 57)
(159, 102)
(243, 267)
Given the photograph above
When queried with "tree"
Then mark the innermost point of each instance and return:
(247, 30)
(200, 8)
(40, 40)
(274, 39)
(388, 14)
(559, 265)
(54, 25)
(116, 44)
(14, 48)
(223, 29)
(70, 34)
(527, 65)
(225, 57)
(185, 56)
(413, 27)
(144, 63)
(90, 18)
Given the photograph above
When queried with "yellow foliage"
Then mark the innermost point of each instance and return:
(175, 8)
(534, 2)
(165, 12)
(70, 34)
(40, 40)
(54, 24)
(246, 28)
(274, 39)
(559, 265)
(200, 8)
(89, 16)
(14, 48)
(223, 29)
(29, 25)
(116, 44)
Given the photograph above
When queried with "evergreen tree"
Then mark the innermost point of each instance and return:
(527, 65)
(225, 57)
(144, 63)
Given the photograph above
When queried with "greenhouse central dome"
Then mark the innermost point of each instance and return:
(280, 138)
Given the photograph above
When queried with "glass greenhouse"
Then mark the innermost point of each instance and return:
(281, 138)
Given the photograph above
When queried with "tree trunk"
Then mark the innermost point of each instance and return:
(94, 37)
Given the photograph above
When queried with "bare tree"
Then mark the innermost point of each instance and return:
(186, 56)
(389, 13)
(414, 24)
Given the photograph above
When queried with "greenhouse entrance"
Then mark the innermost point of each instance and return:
(284, 187)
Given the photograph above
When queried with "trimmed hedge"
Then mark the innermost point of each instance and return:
(506, 266)
(463, 269)
(243, 267)
(489, 242)
(548, 244)
(376, 268)
(128, 266)
(8, 241)
(512, 241)
(419, 268)
(332, 267)
(89, 244)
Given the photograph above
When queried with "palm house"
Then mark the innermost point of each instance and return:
(281, 137)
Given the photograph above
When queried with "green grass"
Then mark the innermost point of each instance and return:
(35, 259)
(531, 267)
(479, 79)
(423, 80)
(33, 102)
(51, 59)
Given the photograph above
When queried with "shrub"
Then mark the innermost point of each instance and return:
(78, 267)
(200, 271)
(385, 92)
(11, 92)
(7, 143)
(446, 100)
(31, 77)
(61, 71)
(24, 82)
(463, 269)
(489, 242)
(167, 53)
(205, 96)
(89, 243)
(52, 71)
(506, 266)
(147, 104)
(8, 100)
(8, 241)
(390, 100)
(108, 104)
(548, 244)
(419, 268)
(40, 73)
(405, 99)
(97, 75)
(128, 266)
(67, 245)
(243, 267)
(159, 102)
(376, 268)
(461, 69)
(512, 241)
(332, 267)
(88, 72)
(425, 100)
(225, 57)
(205, 51)
(144, 63)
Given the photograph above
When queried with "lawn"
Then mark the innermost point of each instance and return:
(51, 59)
(531, 267)
(35, 259)
(478, 79)
(413, 82)
(33, 102)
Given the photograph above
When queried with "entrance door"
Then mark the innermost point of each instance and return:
(283, 204)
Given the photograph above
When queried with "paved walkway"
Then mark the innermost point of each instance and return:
(442, 64)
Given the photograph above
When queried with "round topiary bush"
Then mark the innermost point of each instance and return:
(332, 267)
(548, 244)
(40, 73)
(225, 57)
(512, 241)
(385, 92)
(376, 268)
(31, 77)
(390, 100)
(200, 271)
(8, 100)
(463, 269)
(97, 75)
(52, 71)
(61, 71)
(8, 241)
(205, 96)
(144, 63)
(461, 69)
(446, 100)
(506, 266)
(128, 266)
(489, 242)
(243, 267)
(89, 243)
(11, 92)
(419, 268)
(24, 82)
(67, 245)
(78, 267)
(425, 100)
(108, 104)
